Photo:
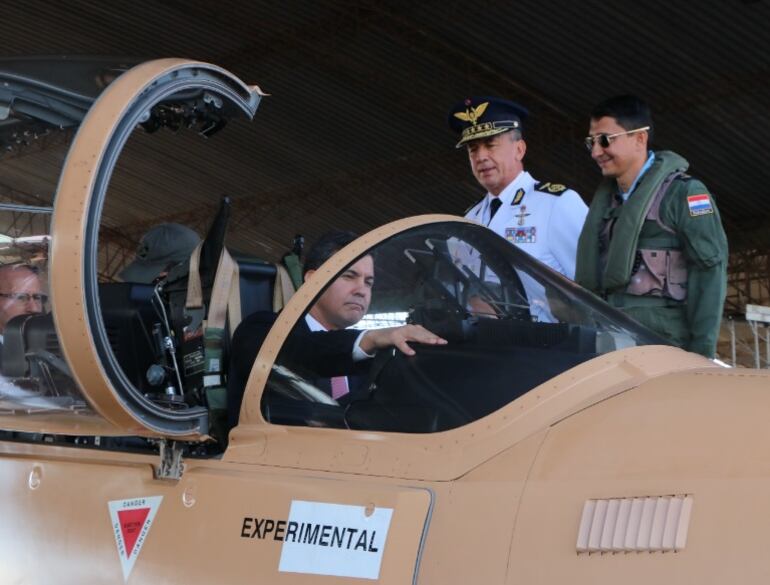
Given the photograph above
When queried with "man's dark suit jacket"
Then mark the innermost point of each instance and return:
(324, 353)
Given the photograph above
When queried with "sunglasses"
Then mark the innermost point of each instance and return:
(26, 297)
(605, 140)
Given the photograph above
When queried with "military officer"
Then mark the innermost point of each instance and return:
(653, 243)
(542, 218)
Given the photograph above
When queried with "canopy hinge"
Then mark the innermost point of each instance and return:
(171, 465)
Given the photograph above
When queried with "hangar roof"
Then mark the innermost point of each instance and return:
(353, 133)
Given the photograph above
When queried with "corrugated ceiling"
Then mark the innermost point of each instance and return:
(353, 133)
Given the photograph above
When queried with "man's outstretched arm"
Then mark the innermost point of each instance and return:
(399, 337)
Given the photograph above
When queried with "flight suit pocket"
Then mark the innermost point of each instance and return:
(660, 273)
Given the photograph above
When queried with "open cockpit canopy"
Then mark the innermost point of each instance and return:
(84, 354)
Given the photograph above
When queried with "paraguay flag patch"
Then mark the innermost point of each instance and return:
(699, 204)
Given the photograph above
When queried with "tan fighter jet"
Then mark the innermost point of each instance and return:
(551, 440)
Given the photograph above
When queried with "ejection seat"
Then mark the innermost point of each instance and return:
(204, 307)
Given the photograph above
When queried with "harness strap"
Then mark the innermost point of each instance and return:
(283, 289)
(234, 311)
(194, 298)
(653, 213)
(221, 293)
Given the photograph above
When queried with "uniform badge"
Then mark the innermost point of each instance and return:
(472, 114)
(522, 214)
(552, 188)
(521, 235)
(556, 188)
(699, 205)
(518, 197)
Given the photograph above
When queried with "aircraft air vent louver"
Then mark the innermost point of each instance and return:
(645, 524)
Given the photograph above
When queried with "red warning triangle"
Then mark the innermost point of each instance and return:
(131, 523)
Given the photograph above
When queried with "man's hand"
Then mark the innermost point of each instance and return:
(398, 337)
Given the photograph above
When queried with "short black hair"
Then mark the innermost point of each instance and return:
(630, 111)
(325, 247)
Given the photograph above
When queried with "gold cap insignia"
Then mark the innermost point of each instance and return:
(472, 114)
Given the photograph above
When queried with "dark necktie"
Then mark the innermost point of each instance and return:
(494, 205)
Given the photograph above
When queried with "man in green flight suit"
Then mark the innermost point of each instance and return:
(653, 243)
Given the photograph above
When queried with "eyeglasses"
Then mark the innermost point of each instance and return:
(26, 297)
(605, 140)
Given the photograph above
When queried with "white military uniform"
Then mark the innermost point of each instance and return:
(542, 219)
(545, 222)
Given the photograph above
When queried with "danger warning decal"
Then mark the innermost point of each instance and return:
(131, 522)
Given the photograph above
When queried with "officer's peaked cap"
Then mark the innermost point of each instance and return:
(483, 116)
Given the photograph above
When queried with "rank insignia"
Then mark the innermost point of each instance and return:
(518, 197)
(699, 205)
(521, 235)
(552, 188)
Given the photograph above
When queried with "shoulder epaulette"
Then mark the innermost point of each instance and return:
(472, 205)
(550, 188)
(691, 183)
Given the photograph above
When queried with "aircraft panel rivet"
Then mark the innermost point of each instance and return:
(188, 497)
(35, 477)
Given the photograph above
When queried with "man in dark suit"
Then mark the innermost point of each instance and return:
(320, 344)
